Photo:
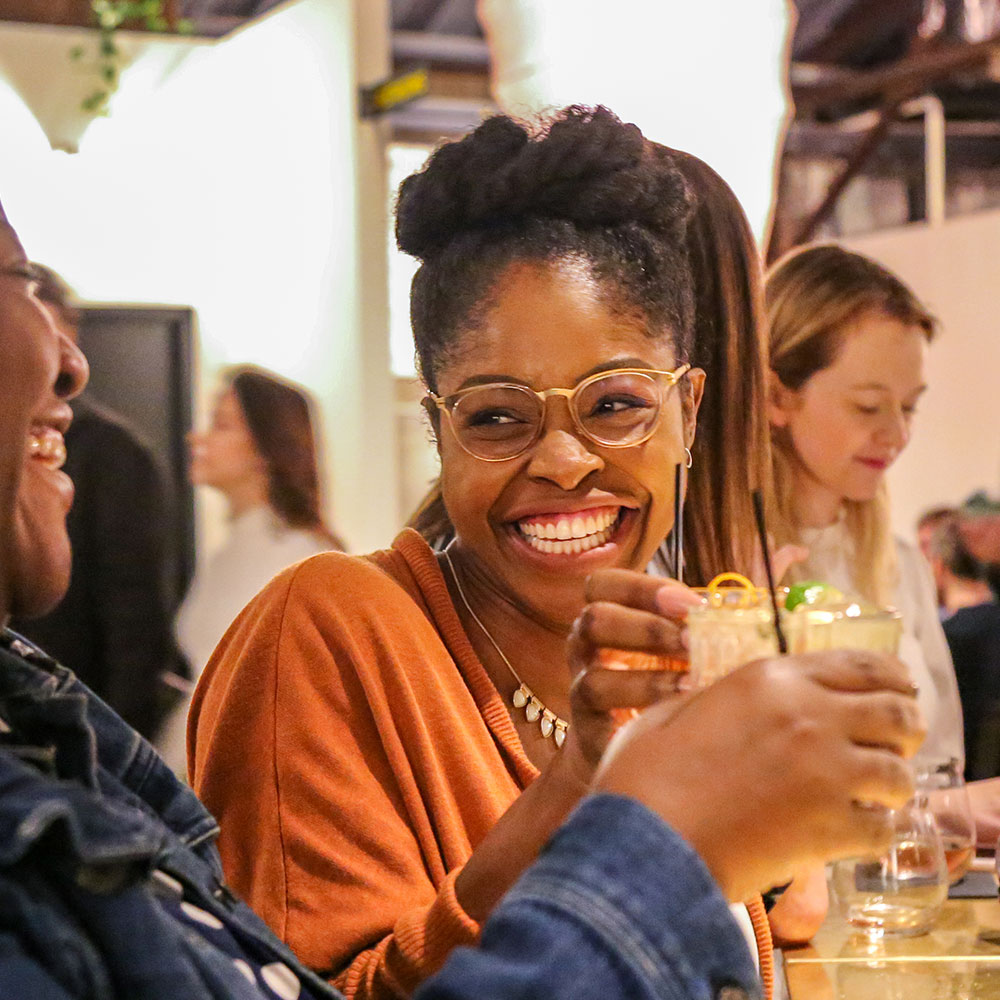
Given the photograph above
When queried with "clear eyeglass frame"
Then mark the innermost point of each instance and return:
(447, 404)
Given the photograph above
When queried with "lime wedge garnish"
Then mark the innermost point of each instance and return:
(812, 594)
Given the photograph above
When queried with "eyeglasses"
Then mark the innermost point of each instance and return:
(502, 420)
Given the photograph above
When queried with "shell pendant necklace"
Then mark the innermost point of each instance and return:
(523, 698)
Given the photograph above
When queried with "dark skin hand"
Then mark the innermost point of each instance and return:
(514, 842)
(785, 763)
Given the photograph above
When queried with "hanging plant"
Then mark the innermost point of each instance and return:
(109, 16)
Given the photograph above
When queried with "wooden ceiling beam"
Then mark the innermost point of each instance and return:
(912, 74)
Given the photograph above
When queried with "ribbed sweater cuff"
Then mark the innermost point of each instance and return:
(427, 937)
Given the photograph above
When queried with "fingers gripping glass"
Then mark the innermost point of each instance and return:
(502, 420)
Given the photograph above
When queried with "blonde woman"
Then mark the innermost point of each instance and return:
(848, 343)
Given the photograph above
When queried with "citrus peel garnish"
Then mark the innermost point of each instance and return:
(740, 583)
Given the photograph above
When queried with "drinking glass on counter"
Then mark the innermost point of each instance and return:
(902, 891)
(949, 804)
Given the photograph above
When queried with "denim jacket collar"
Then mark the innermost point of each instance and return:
(55, 729)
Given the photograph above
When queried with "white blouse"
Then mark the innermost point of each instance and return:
(923, 647)
(259, 546)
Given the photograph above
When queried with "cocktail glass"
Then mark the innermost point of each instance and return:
(736, 625)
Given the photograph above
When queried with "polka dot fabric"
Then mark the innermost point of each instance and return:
(274, 980)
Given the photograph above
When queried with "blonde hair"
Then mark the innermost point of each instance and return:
(812, 295)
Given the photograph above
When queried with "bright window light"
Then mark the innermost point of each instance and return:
(403, 161)
(707, 77)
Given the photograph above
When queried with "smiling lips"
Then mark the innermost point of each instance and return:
(46, 445)
(569, 533)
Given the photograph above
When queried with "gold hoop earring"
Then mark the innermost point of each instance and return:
(690, 458)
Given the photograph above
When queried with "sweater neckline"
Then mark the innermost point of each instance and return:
(426, 570)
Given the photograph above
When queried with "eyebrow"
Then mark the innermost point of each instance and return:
(881, 387)
(604, 366)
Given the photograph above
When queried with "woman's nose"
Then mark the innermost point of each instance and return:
(896, 430)
(562, 458)
(74, 372)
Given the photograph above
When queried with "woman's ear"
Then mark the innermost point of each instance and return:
(693, 391)
(781, 400)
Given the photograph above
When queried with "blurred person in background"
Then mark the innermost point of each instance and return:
(260, 453)
(972, 628)
(927, 524)
(115, 622)
(979, 522)
(111, 884)
(961, 579)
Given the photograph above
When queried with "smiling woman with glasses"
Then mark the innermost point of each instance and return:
(401, 730)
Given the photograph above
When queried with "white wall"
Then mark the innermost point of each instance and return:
(242, 188)
(955, 447)
(706, 76)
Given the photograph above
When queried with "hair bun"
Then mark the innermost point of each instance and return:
(583, 165)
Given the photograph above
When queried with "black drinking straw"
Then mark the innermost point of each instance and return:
(758, 510)
(677, 542)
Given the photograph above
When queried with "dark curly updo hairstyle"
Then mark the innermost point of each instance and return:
(582, 184)
(280, 419)
(668, 242)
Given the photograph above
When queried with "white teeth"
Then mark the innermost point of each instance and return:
(48, 448)
(569, 546)
(570, 535)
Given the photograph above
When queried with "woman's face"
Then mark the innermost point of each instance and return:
(547, 326)
(42, 370)
(849, 421)
(224, 456)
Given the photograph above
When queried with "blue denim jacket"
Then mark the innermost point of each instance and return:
(618, 906)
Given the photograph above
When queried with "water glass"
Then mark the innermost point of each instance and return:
(949, 804)
(902, 891)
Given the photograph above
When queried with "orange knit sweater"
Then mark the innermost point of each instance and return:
(355, 751)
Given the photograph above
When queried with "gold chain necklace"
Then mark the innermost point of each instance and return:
(534, 711)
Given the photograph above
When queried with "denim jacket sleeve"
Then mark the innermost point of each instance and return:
(21, 974)
(617, 906)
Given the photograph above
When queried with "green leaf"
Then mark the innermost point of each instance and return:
(96, 102)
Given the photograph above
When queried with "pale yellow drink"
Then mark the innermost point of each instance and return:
(736, 625)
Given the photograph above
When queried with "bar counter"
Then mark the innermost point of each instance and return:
(958, 960)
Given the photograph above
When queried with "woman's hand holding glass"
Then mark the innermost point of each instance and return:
(628, 616)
